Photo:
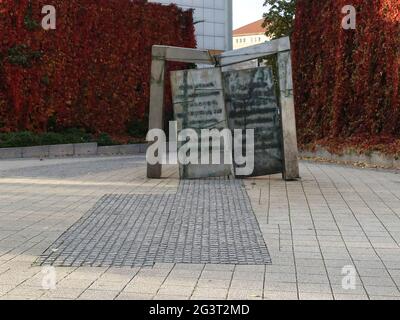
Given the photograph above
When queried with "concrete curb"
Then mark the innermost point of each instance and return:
(375, 159)
(71, 150)
(129, 149)
(10, 153)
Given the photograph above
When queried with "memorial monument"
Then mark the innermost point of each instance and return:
(236, 100)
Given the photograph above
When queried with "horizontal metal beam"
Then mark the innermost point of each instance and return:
(187, 55)
(161, 54)
(254, 52)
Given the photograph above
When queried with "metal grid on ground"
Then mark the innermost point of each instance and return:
(206, 221)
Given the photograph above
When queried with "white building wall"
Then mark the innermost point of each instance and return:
(213, 20)
(240, 42)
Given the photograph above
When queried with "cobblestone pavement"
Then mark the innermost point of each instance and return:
(206, 221)
(334, 217)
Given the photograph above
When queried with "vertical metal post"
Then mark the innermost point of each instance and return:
(290, 149)
(156, 116)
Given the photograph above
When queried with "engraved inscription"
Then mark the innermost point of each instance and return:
(199, 104)
(251, 103)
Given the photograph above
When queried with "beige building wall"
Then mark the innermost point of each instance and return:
(248, 40)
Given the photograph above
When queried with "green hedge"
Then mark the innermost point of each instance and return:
(29, 139)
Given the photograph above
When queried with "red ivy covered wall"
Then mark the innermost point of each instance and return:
(347, 81)
(92, 72)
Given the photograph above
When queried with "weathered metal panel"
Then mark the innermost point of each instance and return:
(156, 114)
(291, 153)
(254, 52)
(251, 103)
(199, 104)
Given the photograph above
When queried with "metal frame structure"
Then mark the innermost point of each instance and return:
(280, 47)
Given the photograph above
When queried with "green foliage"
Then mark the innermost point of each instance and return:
(45, 80)
(104, 139)
(22, 56)
(30, 24)
(29, 139)
(18, 139)
(137, 128)
(75, 135)
(279, 20)
(50, 138)
(52, 123)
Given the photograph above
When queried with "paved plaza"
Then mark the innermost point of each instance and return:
(205, 221)
(113, 234)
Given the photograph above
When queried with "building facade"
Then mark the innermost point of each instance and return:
(213, 22)
(249, 35)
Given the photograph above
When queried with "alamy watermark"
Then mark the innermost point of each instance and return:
(211, 146)
(49, 21)
(49, 280)
(349, 281)
(349, 22)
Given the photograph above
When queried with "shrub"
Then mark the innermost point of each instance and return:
(138, 128)
(74, 135)
(347, 81)
(105, 140)
(50, 138)
(29, 139)
(19, 139)
(92, 72)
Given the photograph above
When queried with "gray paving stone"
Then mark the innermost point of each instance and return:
(71, 169)
(206, 221)
(98, 295)
(351, 214)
